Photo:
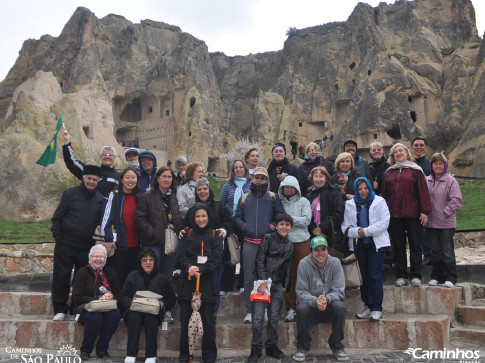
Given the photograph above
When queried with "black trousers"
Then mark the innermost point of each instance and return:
(65, 257)
(399, 228)
(209, 349)
(443, 254)
(135, 320)
(123, 262)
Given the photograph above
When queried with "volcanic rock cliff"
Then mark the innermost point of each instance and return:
(388, 73)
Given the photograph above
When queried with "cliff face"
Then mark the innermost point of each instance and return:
(388, 73)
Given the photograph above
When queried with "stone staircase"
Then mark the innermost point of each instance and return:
(413, 317)
(468, 328)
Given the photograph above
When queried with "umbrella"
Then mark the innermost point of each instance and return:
(196, 330)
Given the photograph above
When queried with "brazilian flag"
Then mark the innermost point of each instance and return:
(49, 155)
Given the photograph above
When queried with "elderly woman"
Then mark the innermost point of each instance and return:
(237, 184)
(186, 193)
(345, 175)
(378, 165)
(327, 209)
(300, 210)
(157, 209)
(96, 282)
(146, 277)
(181, 166)
(199, 252)
(280, 167)
(252, 159)
(366, 220)
(406, 193)
(313, 158)
(445, 195)
(118, 224)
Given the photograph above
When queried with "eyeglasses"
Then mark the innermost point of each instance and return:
(101, 257)
(259, 177)
(109, 155)
(150, 259)
(314, 150)
(91, 178)
(418, 145)
(376, 150)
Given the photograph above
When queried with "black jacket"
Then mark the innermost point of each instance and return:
(331, 210)
(274, 259)
(378, 168)
(83, 287)
(307, 167)
(109, 176)
(189, 248)
(349, 186)
(155, 282)
(76, 217)
(286, 167)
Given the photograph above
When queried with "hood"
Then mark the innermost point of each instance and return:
(152, 155)
(191, 215)
(444, 171)
(292, 182)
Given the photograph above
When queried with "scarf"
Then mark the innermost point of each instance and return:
(316, 210)
(258, 189)
(101, 284)
(405, 164)
(363, 206)
(239, 182)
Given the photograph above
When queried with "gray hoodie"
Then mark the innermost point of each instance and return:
(309, 285)
(298, 208)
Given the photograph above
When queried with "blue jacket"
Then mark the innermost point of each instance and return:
(147, 181)
(256, 217)
(114, 204)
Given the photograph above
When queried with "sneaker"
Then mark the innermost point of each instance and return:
(400, 282)
(416, 282)
(256, 353)
(222, 293)
(375, 315)
(448, 284)
(290, 316)
(241, 290)
(168, 317)
(340, 355)
(59, 317)
(177, 272)
(248, 319)
(299, 356)
(151, 360)
(433, 283)
(364, 314)
(130, 359)
(275, 352)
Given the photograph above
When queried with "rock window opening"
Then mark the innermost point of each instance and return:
(190, 133)
(352, 65)
(192, 102)
(87, 132)
(300, 124)
(395, 133)
(167, 113)
(150, 109)
(413, 116)
(375, 136)
(369, 72)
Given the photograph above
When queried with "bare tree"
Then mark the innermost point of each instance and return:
(239, 148)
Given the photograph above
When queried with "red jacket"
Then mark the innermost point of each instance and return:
(406, 193)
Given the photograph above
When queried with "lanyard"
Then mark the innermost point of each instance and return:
(202, 249)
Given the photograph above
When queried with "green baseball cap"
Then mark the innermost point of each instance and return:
(318, 241)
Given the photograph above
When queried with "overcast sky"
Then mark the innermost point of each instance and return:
(232, 27)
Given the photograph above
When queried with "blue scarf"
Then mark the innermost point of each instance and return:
(239, 182)
(363, 206)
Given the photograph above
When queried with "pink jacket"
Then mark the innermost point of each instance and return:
(445, 195)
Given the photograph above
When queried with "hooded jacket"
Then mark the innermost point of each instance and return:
(147, 181)
(309, 286)
(379, 218)
(298, 208)
(446, 199)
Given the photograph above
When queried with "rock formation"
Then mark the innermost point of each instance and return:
(387, 73)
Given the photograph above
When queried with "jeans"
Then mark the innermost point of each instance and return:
(425, 243)
(306, 316)
(249, 262)
(442, 254)
(96, 323)
(371, 263)
(274, 308)
(398, 228)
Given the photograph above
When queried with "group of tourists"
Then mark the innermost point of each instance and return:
(287, 220)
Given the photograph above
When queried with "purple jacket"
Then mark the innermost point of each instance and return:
(445, 195)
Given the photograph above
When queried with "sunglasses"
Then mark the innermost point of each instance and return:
(150, 259)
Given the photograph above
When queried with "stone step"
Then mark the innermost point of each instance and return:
(410, 300)
(393, 332)
(470, 315)
(467, 336)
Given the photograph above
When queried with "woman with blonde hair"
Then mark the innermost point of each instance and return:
(345, 175)
(406, 193)
(313, 158)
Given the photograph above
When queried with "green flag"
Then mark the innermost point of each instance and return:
(49, 155)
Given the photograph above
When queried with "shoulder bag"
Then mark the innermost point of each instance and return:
(101, 305)
(171, 240)
(234, 249)
(147, 302)
(350, 265)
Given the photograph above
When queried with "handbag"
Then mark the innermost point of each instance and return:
(351, 268)
(147, 302)
(101, 305)
(234, 249)
(171, 240)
